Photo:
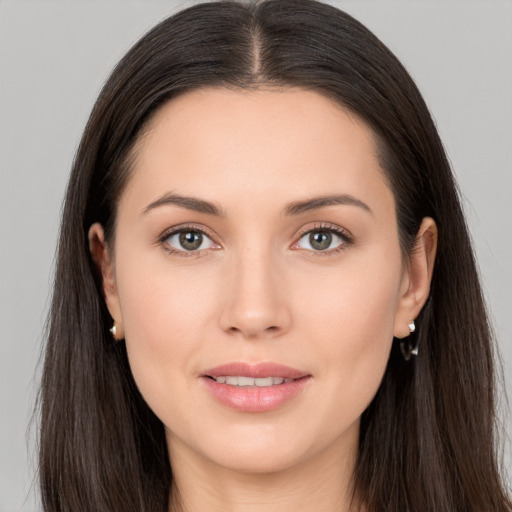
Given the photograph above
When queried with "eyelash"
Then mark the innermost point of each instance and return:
(329, 228)
(336, 230)
(178, 229)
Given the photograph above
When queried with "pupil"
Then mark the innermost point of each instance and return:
(320, 240)
(191, 240)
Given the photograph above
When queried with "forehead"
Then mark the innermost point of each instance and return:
(217, 142)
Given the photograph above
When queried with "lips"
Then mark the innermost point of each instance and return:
(260, 370)
(254, 388)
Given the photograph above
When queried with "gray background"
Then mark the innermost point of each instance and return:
(54, 57)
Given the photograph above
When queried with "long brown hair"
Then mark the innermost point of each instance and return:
(427, 440)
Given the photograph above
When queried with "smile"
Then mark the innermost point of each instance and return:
(242, 381)
(255, 388)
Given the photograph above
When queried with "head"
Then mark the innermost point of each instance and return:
(202, 107)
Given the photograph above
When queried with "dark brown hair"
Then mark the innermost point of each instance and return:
(427, 440)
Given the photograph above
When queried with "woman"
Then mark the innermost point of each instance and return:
(265, 294)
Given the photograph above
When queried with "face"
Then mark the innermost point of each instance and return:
(257, 231)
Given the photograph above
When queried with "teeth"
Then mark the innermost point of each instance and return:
(243, 381)
(268, 381)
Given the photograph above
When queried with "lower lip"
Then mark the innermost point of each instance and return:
(254, 398)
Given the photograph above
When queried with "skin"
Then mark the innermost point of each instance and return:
(259, 291)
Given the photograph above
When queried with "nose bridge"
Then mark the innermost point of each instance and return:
(256, 305)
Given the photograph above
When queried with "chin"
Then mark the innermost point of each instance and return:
(246, 452)
(258, 463)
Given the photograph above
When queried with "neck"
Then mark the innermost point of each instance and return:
(322, 482)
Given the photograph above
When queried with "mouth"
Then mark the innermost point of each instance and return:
(242, 380)
(260, 374)
(255, 388)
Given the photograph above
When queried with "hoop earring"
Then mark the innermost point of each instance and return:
(407, 346)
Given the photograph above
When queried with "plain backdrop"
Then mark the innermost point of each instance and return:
(54, 58)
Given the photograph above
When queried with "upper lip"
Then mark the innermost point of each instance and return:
(259, 370)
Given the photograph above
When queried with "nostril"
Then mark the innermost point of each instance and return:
(253, 318)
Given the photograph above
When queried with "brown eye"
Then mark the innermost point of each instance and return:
(190, 240)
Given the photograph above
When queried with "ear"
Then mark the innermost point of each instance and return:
(103, 261)
(415, 287)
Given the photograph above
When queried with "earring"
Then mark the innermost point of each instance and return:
(113, 330)
(407, 346)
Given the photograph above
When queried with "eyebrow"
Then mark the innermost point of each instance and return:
(315, 203)
(190, 203)
(295, 208)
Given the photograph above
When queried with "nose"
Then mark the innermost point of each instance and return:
(255, 304)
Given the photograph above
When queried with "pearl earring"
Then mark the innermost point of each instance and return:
(407, 346)
(113, 330)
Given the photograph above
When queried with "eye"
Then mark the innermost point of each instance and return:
(188, 240)
(323, 239)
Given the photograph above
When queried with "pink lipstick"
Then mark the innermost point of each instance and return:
(254, 387)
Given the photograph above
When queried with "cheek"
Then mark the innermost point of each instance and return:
(160, 307)
(351, 318)
(165, 314)
(355, 299)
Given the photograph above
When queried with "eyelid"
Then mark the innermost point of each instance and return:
(342, 233)
(184, 227)
(326, 226)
